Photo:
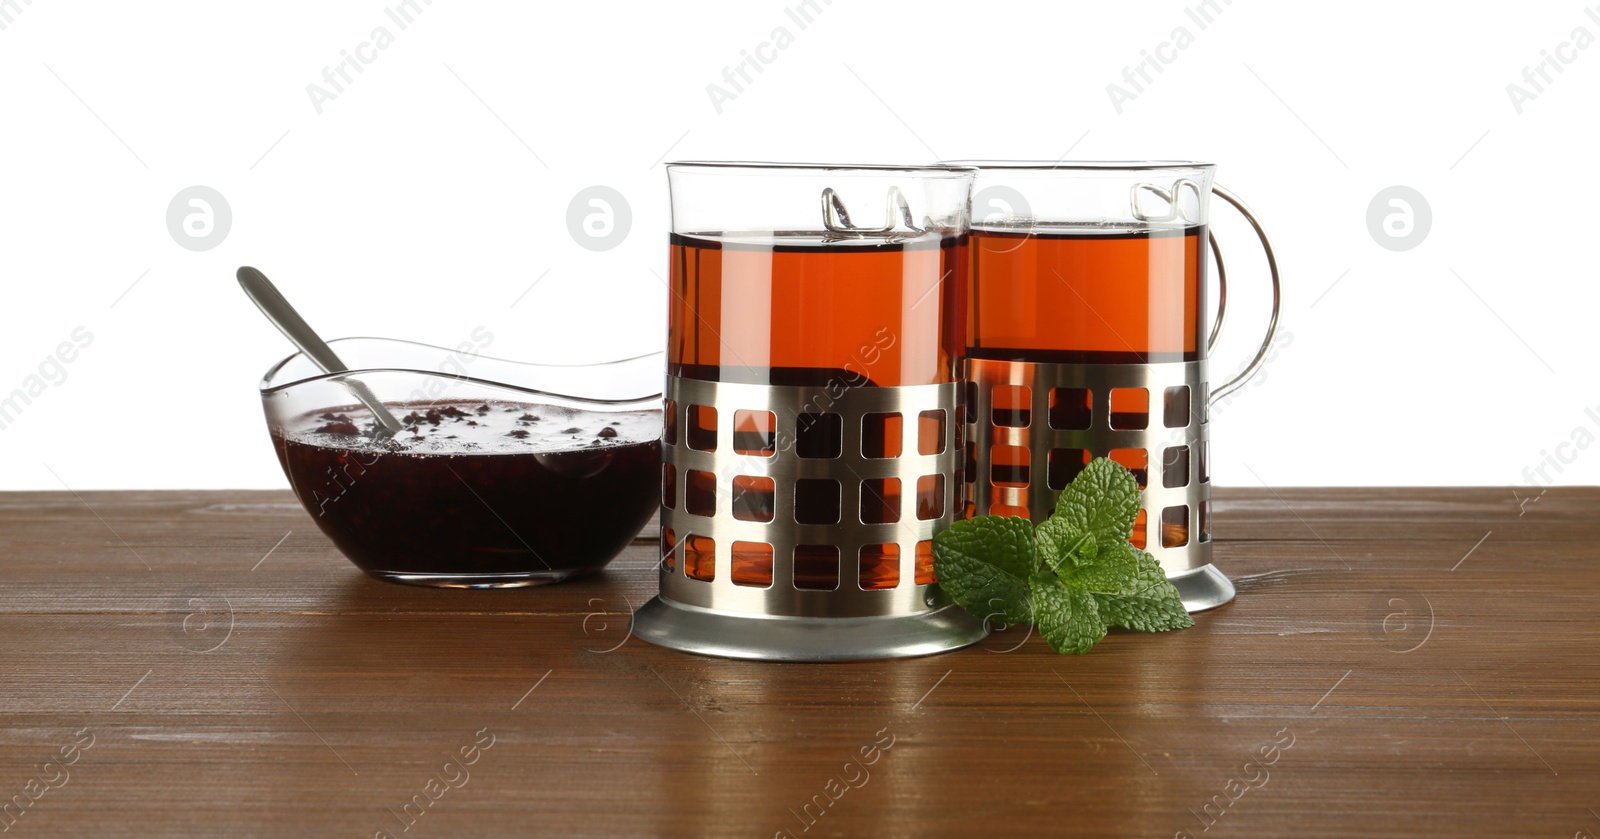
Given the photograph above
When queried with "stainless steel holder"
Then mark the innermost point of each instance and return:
(1068, 422)
(1056, 417)
(815, 436)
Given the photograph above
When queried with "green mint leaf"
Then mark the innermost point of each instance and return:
(1091, 579)
(1156, 614)
(1068, 617)
(984, 565)
(1102, 501)
(1143, 599)
(1115, 570)
(1062, 546)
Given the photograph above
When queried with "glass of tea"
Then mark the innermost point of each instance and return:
(1088, 338)
(503, 474)
(816, 328)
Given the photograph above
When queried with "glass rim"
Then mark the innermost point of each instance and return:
(715, 166)
(267, 387)
(1081, 165)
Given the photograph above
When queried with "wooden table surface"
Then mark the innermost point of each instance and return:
(1397, 663)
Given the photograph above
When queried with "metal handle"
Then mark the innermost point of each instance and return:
(276, 307)
(1238, 381)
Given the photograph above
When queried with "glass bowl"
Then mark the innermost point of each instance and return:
(505, 473)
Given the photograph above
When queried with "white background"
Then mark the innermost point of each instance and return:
(432, 193)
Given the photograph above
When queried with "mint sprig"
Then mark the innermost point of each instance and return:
(1075, 576)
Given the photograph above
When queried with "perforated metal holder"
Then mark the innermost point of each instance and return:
(812, 441)
(1035, 425)
(1068, 421)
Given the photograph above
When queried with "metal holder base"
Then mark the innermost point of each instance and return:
(814, 543)
(1203, 588)
(693, 629)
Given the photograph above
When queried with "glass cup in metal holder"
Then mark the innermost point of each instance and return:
(1088, 339)
(813, 443)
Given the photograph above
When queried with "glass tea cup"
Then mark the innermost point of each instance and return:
(1088, 295)
(814, 343)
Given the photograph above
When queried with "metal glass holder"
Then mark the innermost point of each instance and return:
(1068, 422)
(1021, 457)
(814, 445)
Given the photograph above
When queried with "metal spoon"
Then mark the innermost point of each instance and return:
(271, 302)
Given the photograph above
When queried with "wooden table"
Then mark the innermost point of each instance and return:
(1398, 662)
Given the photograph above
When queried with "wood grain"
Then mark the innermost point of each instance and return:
(1430, 653)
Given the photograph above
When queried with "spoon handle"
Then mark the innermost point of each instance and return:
(276, 307)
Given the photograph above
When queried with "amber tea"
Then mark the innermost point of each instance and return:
(1072, 294)
(1081, 293)
(807, 309)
